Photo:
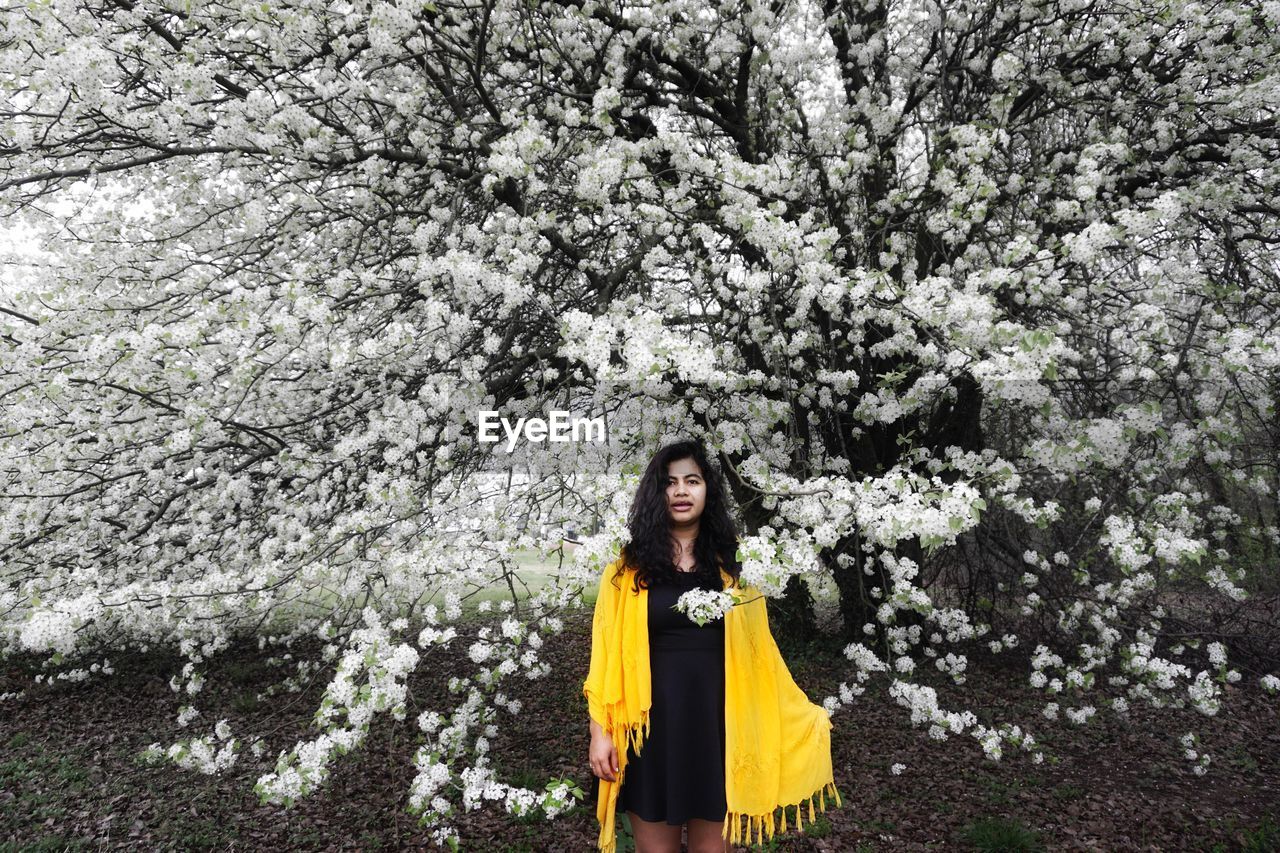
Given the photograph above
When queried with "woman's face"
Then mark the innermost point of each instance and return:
(686, 491)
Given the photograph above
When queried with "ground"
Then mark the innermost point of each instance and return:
(69, 777)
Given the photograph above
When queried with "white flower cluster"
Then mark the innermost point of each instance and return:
(1124, 544)
(1081, 715)
(200, 754)
(922, 702)
(432, 778)
(1190, 751)
(953, 665)
(863, 658)
(433, 759)
(53, 627)
(390, 24)
(515, 154)
(647, 346)
(430, 636)
(604, 169)
(186, 714)
(503, 654)
(1158, 674)
(190, 681)
(1174, 546)
(479, 785)
(770, 559)
(848, 692)
(1008, 641)
(1204, 694)
(706, 605)
(304, 768)
(463, 736)
(1040, 661)
(73, 675)
(590, 340)
(387, 664)
(902, 504)
(865, 662)
(1219, 580)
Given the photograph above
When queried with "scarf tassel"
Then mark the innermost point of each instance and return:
(636, 734)
(633, 736)
(739, 828)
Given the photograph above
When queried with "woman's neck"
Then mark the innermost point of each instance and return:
(684, 547)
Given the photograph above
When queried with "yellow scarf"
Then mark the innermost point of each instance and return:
(777, 742)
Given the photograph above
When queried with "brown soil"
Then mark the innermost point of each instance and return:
(69, 777)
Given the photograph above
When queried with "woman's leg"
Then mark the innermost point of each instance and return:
(704, 836)
(655, 836)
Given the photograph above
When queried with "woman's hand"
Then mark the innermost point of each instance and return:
(604, 756)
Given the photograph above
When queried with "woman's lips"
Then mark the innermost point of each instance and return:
(682, 506)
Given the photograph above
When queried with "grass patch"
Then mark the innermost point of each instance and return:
(626, 838)
(240, 671)
(370, 841)
(819, 828)
(51, 843)
(245, 703)
(524, 845)
(200, 834)
(1238, 757)
(880, 826)
(1265, 838)
(1066, 792)
(1000, 793)
(1001, 835)
(42, 782)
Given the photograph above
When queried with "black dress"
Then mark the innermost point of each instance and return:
(679, 773)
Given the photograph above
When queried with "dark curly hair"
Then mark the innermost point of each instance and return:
(649, 551)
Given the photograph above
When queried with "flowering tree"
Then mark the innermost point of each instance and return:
(972, 300)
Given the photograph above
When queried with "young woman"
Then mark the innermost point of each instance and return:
(693, 725)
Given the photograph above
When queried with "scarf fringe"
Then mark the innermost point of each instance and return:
(764, 827)
(633, 736)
